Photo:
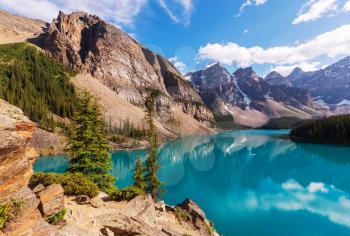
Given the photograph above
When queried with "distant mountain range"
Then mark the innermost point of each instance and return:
(117, 70)
(331, 84)
(249, 98)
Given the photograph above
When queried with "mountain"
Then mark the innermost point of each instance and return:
(275, 78)
(216, 87)
(331, 84)
(114, 62)
(259, 90)
(15, 28)
(247, 97)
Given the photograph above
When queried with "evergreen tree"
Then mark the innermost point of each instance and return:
(152, 182)
(89, 146)
(139, 174)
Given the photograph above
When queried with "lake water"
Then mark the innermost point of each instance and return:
(250, 182)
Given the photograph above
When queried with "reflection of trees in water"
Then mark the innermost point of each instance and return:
(57, 164)
(124, 162)
(189, 147)
(334, 153)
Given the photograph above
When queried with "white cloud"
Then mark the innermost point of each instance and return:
(246, 31)
(178, 64)
(120, 12)
(287, 69)
(179, 11)
(347, 6)
(315, 9)
(248, 3)
(316, 198)
(332, 44)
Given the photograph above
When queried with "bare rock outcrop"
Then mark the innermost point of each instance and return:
(16, 159)
(139, 216)
(90, 45)
(51, 200)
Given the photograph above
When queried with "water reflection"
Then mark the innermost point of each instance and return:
(254, 183)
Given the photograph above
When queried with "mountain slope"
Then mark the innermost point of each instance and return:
(249, 98)
(15, 28)
(36, 83)
(93, 47)
(331, 84)
(89, 44)
(217, 88)
(275, 78)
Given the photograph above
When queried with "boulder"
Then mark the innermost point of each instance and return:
(38, 188)
(97, 202)
(160, 206)
(141, 207)
(82, 200)
(51, 200)
(191, 207)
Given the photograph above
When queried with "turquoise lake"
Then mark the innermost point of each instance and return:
(250, 182)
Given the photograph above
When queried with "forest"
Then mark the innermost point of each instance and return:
(334, 129)
(36, 83)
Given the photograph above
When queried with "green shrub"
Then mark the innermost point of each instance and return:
(10, 210)
(72, 183)
(57, 217)
(126, 194)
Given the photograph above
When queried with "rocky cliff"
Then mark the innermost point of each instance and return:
(16, 159)
(251, 100)
(92, 46)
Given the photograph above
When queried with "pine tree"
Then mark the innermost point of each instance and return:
(153, 184)
(89, 146)
(139, 174)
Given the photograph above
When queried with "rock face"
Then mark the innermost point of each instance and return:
(251, 100)
(90, 45)
(16, 159)
(258, 90)
(275, 78)
(51, 200)
(331, 84)
(136, 217)
(16, 156)
(216, 87)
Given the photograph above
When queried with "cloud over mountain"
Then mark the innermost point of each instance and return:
(330, 44)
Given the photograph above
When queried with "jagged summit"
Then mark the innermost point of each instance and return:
(244, 72)
(275, 78)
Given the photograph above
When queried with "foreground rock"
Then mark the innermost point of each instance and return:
(16, 159)
(137, 217)
(51, 200)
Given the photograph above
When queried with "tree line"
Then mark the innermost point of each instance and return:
(36, 83)
(334, 129)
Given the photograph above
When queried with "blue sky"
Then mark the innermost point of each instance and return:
(266, 34)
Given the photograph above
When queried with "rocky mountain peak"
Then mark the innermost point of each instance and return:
(91, 46)
(275, 78)
(246, 73)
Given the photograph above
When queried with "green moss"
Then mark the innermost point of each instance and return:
(10, 210)
(72, 183)
(57, 217)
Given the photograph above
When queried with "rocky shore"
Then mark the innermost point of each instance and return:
(84, 216)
